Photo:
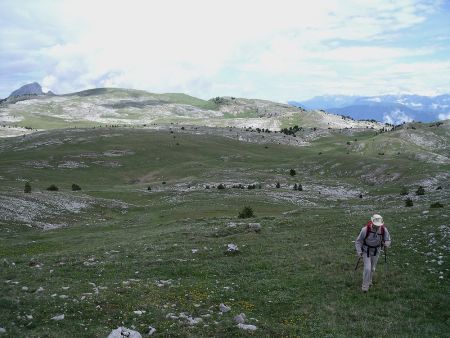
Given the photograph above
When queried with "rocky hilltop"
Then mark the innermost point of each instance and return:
(28, 89)
(114, 106)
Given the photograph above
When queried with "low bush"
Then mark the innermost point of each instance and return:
(27, 188)
(246, 212)
(52, 188)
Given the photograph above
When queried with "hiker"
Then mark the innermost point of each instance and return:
(373, 238)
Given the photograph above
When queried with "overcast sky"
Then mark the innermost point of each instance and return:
(278, 50)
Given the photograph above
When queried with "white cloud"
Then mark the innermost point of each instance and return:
(445, 116)
(396, 117)
(278, 50)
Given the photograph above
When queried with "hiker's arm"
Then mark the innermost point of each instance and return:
(360, 240)
(387, 238)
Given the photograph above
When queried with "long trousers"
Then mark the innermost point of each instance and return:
(370, 264)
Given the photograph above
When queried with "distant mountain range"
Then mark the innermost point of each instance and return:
(386, 108)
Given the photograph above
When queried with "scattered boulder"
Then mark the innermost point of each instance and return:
(256, 227)
(240, 318)
(247, 327)
(232, 248)
(2, 330)
(224, 308)
(58, 317)
(122, 332)
(151, 330)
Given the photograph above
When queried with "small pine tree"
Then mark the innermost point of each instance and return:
(246, 212)
(436, 205)
(300, 187)
(295, 186)
(52, 188)
(27, 188)
(409, 202)
(149, 188)
(220, 186)
(75, 187)
(278, 185)
(420, 191)
(292, 172)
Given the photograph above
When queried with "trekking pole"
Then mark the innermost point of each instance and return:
(357, 263)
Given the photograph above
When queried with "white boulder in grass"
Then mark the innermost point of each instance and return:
(151, 330)
(240, 318)
(247, 327)
(2, 330)
(256, 227)
(58, 317)
(224, 308)
(232, 247)
(122, 332)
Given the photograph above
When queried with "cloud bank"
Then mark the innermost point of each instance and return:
(277, 50)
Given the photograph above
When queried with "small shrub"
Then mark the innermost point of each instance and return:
(292, 172)
(75, 187)
(360, 196)
(439, 188)
(278, 185)
(420, 191)
(404, 191)
(220, 186)
(409, 202)
(436, 205)
(300, 187)
(164, 182)
(246, 212)
(27, 188)
(149, 188)
(207, 187)
(52, 188)
(295, 186)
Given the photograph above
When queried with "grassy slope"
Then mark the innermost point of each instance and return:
(295, 277)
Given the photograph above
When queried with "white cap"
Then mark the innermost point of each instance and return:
(377, 220)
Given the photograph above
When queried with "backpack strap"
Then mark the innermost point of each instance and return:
(368, 230)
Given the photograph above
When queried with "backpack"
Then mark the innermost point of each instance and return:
(369, 227)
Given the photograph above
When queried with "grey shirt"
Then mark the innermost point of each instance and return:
(374, 239)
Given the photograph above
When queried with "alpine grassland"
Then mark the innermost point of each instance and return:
(116, 253)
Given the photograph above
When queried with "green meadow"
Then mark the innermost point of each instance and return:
(144, 242)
